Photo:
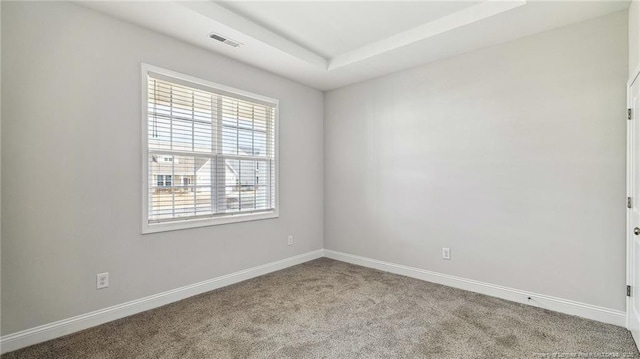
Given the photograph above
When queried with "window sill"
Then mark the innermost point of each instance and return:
(148, 228)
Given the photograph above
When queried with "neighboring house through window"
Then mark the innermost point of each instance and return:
(210, 153)
(163, 180)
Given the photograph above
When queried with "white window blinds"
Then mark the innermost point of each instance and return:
(211, 153)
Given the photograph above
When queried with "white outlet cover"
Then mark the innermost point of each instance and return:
(102, 280)
(446, 253)
(290, 240)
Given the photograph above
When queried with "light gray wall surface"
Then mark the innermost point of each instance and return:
(513, 156)
(634, 37)
(0, 164)
(71, 194)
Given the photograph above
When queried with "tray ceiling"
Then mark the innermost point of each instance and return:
(329, 44)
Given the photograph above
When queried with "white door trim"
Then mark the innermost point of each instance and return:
(635, 197)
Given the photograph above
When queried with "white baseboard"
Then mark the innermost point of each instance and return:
(566, 306)
(57, 329)
(60, 328)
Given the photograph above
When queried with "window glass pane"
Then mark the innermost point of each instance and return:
(260, 144)
(204, 106)
(245, 142)
(247, 175)
(262, 198)
(229, 140)
(188, 128)
(245, 122)
(203, 201)
(245, 185)
(159, 133)
(203, 185)
(183, 202)
(202, 139)
(229, 121)
(160, 197)
(230, 198)
(203, 166)
(160, 169)
(182, 135)
(262, 173)
(232, 172)
(248, 179)
(260, 123)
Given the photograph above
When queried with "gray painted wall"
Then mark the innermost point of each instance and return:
(634, 37)
(513, 159)
(513, 156)
(71, 201)
(0, 165)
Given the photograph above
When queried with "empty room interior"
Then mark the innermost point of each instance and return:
(320, 179)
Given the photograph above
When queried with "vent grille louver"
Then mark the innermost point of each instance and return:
(224, 40)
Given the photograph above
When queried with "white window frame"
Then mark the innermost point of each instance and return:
(210, 221)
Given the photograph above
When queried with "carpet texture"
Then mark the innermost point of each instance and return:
(330, 309)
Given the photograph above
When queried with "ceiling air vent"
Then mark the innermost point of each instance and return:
(224, 40)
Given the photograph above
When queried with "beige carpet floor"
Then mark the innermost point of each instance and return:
(330, 309)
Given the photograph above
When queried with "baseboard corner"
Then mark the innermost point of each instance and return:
(25, 338)
(566, 306)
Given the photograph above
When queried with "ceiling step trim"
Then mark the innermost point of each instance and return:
(446, 23)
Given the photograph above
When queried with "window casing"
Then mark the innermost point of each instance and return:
(209, 153)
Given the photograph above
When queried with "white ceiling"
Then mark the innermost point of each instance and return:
(333, 28)
(329, 44)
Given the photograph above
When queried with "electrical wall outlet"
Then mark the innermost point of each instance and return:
(102, 280)
(290, 240)
(446, 253)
